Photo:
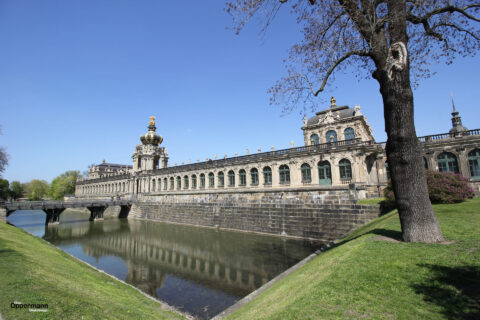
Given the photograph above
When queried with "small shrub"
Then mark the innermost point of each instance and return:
(443, 187)
(447, 187)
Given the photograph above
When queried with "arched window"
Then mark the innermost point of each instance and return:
(221, 179)
(331, 136)
(165, 183)
(172, 183)
(194, 182)
(242, 177)
(267, 176)
(447, 162)
(202, 181)
(185, 182)
(306, 173)
(474, 163)
(211, 180)
(254, 176)
(324, 173)
(159, 185)
(345, 169)
(349, 134)
(425, 163)
(231, 178)
(314, 139)
(153, 184)
(284, 171)
(179, 183)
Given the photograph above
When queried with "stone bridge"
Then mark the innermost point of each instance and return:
(53, 209)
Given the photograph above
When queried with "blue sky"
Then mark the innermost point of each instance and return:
(79, 80)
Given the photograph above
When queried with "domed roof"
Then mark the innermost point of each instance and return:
(151, 137)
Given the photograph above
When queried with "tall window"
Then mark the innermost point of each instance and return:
(331, 136)
(185, 182)
(345, 169)
(314, 139)
(153, 184)
(165, 183)
(306, 173)
(172, 183)
(284, 174)
(267, 175)
(425, 163)
(324, 173)
(474, 163)
(447, 162)
(349, 134)
(221, 179)
(243, 177)
(179, 183)
(194, 182)
(202, 181)
(211, 180)
(254, 176)
(231, 178)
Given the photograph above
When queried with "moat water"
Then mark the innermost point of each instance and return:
(198, 270)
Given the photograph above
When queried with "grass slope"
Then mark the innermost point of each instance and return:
(33, 271)
(365, 278)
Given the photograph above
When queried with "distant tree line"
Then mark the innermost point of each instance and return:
(36, 189)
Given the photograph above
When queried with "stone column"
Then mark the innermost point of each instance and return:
(275, 174)
(295, 178)
(358, 174)
(314, 172)
(463, 163)
(335, 172)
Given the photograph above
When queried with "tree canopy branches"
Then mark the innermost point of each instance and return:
(340, 33)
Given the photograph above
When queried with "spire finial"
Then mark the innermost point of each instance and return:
(453, 102)
(152, 121)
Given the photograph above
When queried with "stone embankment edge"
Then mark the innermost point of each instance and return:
(260, 290)
(163, 304)
(292, 269)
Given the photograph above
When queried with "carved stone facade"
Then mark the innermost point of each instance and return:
(340, 156)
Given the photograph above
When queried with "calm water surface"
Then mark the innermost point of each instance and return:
(198, 270)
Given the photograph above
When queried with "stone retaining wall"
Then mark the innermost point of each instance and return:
(304, 216)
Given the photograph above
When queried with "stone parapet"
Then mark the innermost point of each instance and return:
(3, 215)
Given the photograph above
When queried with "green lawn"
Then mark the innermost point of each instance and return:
(362, 278)
(33, 271)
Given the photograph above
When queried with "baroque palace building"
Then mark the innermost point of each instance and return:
(340, 153)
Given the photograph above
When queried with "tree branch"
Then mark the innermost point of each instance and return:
(416, 20)
(451, 25)
(335, 65)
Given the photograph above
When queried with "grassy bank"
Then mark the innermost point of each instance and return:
(33, 271)
(364, 277)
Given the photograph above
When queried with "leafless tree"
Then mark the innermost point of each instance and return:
(394, 41)
(3, 157)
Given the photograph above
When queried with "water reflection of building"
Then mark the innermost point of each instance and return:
(220, 261)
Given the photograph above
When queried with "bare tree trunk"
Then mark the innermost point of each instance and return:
(417, 218)
(418, 221)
